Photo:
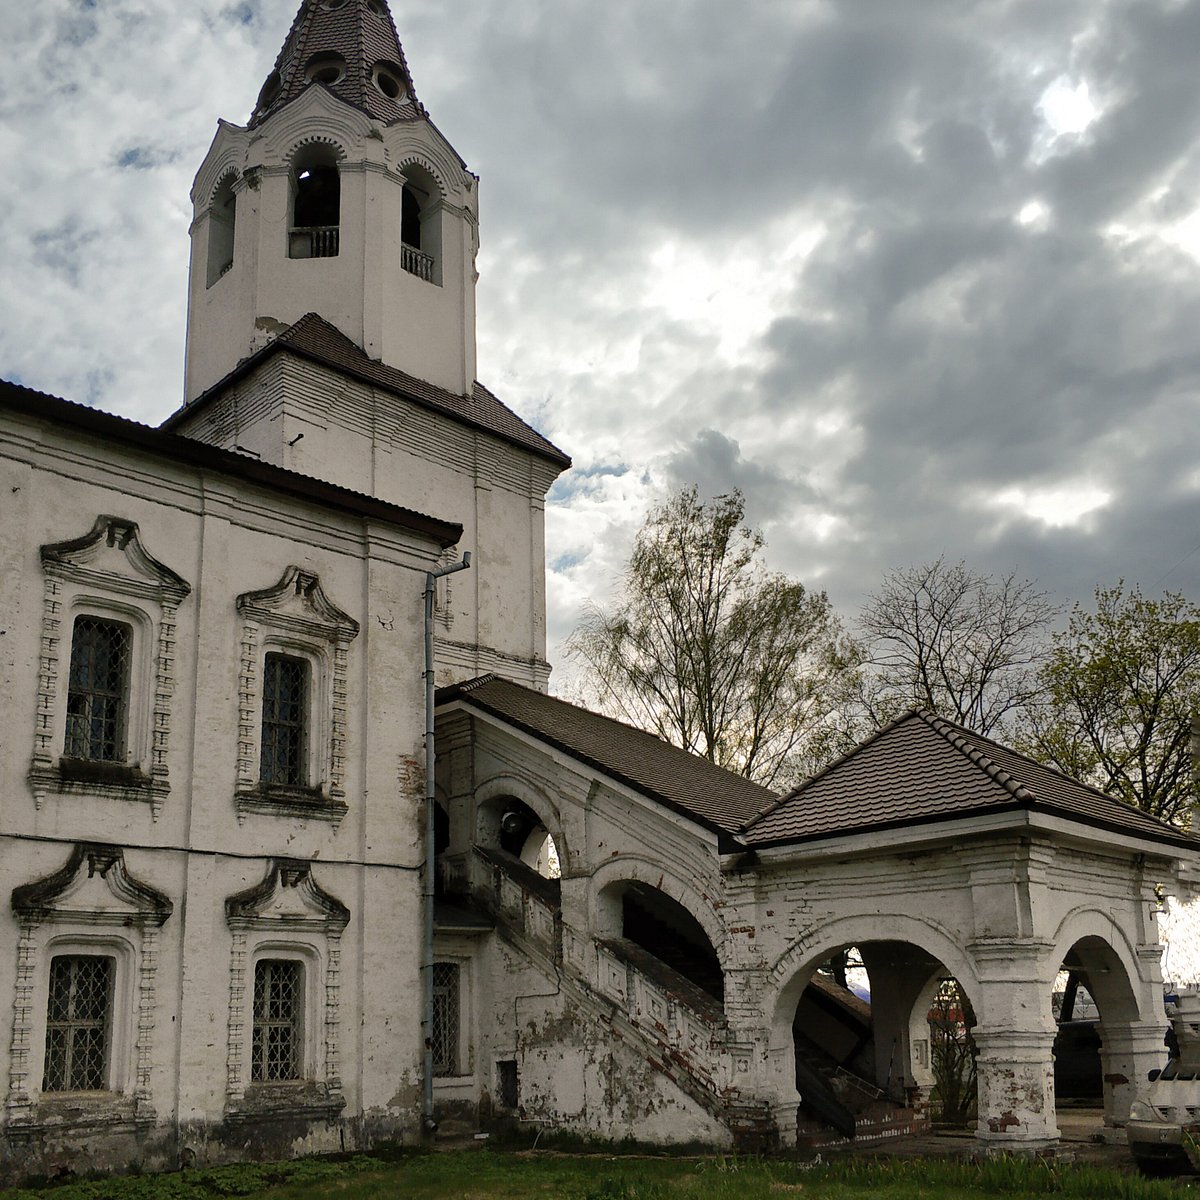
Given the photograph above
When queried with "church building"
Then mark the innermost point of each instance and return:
(241, 919)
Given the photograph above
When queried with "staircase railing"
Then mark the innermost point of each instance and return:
(684, 1030)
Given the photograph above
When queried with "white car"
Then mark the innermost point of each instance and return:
(1164, 1121)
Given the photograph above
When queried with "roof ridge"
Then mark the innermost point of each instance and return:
(471, 685)
(1000, 774)
(845, 757)
(954, 734)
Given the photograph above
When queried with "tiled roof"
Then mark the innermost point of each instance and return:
(363, 33)
(922, 768)
(315, 338)
(86, 420)
(710, 796)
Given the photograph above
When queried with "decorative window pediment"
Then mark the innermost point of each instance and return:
(298, 603)
(288, 898)
(295, 625)
(93, 888)
(111, 557)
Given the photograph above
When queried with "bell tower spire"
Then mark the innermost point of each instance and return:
(340, 197)
(352, 47)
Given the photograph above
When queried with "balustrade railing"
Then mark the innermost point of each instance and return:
(313, 241)
(416, 262)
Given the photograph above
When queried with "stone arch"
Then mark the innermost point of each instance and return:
(315, 113)
(628, 868)
(1128, 996)
(819, 943)
(793, 972)
(1094, 928)
(227, 155)
(332, 145)
(425, 163)
(491, 791)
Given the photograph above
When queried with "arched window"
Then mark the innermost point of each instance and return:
(421, 225)
(222, 218)
(316, 204)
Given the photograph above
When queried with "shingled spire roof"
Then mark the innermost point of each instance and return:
(351, 47)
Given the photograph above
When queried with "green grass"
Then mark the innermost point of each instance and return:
(491, 1175)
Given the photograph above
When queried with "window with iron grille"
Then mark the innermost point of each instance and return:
(285, 721)
(277, 1049)
(98, 690)
(445, 1018)
(78, 1023)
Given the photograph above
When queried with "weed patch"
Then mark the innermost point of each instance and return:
(491, 1175)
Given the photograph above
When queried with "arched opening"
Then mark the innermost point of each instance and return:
(1094, 1008)
(421, 225)
(949, 1019)
(512, 826)
(389, 79)
(316, 203)
(222, 221)
(860, 1031)
(650, 920)
(327, 67)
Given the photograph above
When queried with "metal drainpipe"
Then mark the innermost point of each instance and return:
(431, 578)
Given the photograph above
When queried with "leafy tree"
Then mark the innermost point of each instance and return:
(1122, 684)
(712, 652)
(947, 638)
(953, 1053)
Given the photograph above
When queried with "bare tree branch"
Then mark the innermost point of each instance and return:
(963, 644)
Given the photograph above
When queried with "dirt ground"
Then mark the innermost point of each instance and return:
(1084, 1140)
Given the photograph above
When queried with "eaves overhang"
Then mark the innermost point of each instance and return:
(726, 842)
(897, 837)
(82, 418)
(279, 345)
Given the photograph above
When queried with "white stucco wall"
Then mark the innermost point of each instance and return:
(425, 328)
(225, 538)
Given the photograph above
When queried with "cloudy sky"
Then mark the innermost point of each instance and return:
(919, 276)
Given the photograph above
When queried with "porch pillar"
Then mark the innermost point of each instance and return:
(1128, 1054)
(1016, 1090)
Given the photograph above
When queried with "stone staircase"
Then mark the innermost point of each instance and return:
(678, 1028)
(862, 1113)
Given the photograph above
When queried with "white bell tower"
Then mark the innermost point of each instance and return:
(339, 197)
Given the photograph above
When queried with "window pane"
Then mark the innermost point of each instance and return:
(78, 1023)
(285, 721)
(445, 1018)
(275, 1052)
(98, 690)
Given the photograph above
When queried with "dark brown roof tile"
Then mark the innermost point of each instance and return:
(363, 33)
(922, 768)
(712, 797)
(314, 338)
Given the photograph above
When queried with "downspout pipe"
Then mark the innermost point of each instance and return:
(431, 578)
